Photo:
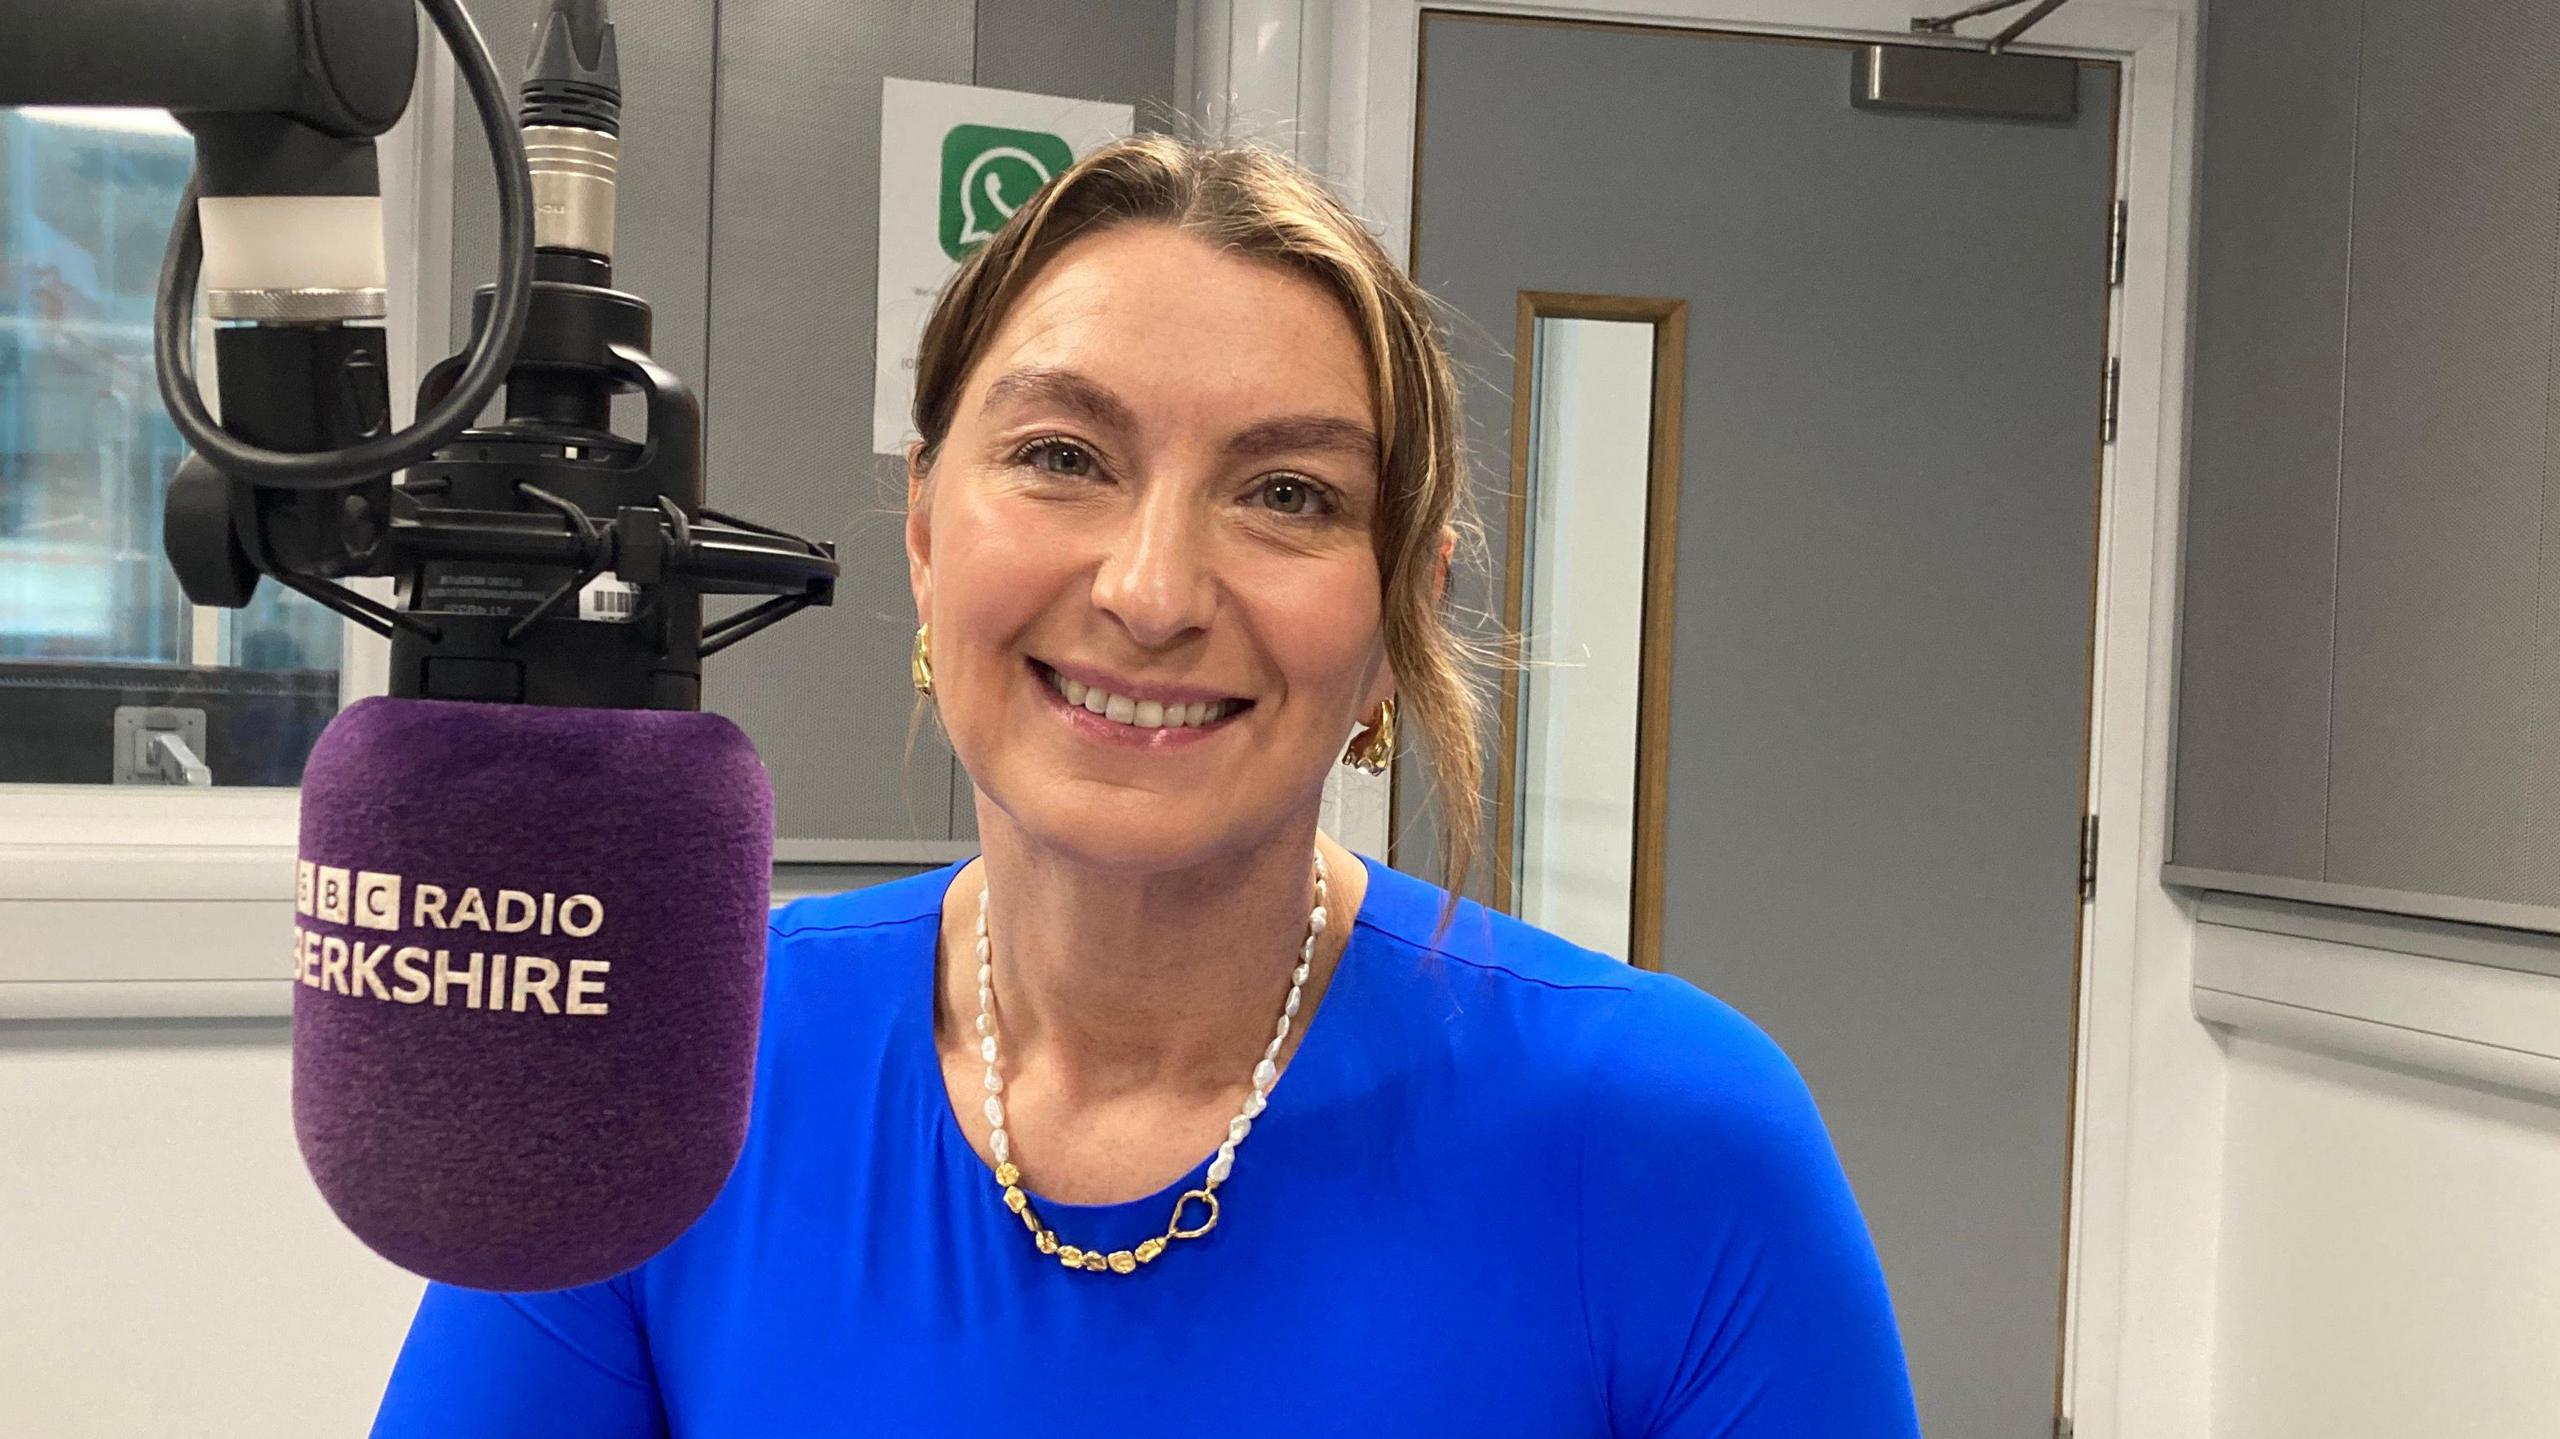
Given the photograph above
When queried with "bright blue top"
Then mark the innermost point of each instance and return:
(1506, 1187)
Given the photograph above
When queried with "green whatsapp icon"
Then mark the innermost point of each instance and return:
(987, 173)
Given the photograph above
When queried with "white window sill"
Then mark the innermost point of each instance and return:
(2475, 1005)
(38, 822)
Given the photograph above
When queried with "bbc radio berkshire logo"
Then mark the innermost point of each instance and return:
(449, 976)
(322, 891)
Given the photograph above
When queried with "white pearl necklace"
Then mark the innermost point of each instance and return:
(1265, 1074)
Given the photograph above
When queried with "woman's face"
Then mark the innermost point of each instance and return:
(1144, 550)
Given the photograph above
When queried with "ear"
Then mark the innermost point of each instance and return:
(1383, 688)
(919, 532)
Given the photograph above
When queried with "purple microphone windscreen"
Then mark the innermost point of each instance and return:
(529, 948)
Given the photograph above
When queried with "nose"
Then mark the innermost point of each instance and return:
(1155, 577)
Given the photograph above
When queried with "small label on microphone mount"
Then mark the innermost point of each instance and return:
(475, 590)
(611, 600)
(513, 594)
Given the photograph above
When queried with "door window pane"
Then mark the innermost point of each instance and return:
(1590, 431)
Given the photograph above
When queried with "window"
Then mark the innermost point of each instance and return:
(99, 648)
(1584, 723)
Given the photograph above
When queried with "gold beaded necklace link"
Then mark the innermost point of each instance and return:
(1094, 1261)
(1265, 1073)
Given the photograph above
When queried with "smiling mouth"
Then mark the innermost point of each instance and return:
(1139, 714)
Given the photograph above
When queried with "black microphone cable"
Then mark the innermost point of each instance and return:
(492, 351)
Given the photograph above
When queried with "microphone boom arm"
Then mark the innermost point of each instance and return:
(497, 528)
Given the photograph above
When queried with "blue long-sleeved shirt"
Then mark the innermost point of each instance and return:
(1506, 1187)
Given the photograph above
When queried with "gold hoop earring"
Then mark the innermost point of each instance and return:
(1374, 748)
(920, 663)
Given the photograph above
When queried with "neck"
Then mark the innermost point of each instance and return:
(1109, 983)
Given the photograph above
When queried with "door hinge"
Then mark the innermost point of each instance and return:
(2115, 247)
(2111, 396)
(2061, 1427)
(2088, 857)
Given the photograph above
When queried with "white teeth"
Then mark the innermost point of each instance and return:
(1141, 714)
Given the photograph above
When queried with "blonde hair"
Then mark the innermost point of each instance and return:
(1254, 202)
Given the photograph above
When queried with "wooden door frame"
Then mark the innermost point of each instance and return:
(1669, 319)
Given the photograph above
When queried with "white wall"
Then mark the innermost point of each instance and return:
(166, 1268)
(2387, 1260)
(2390, 1260)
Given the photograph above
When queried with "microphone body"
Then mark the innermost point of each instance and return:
(530, 965)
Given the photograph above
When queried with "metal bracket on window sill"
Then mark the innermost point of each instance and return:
(159, 745)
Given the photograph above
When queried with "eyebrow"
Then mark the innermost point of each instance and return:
(1300, 433)
(1064, 388)
(1034, 385)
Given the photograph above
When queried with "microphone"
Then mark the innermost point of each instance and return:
(531, 968)
(533, 878)
(532, 882)
(530, 952)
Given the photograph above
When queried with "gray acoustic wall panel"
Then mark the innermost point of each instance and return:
(1119, 50)
(2262, 471)
(2542, 884)
(2449, 353)
(795, 262)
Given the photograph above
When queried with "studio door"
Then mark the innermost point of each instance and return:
(1831, 593)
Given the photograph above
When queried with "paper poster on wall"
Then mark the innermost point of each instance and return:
(955, 161)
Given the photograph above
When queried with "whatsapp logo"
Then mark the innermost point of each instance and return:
(987, 173)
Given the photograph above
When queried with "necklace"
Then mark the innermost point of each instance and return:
(1009, 1178)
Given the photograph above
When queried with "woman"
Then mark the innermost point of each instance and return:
(1168, 1115)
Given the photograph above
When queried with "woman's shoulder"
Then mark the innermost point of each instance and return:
(1669, 1081)
(835, 953)
(1649, 1048)
(842, 973)
(1723, 1266)
(839, 923)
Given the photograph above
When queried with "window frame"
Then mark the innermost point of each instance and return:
(75, 848)
(1668, 318)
